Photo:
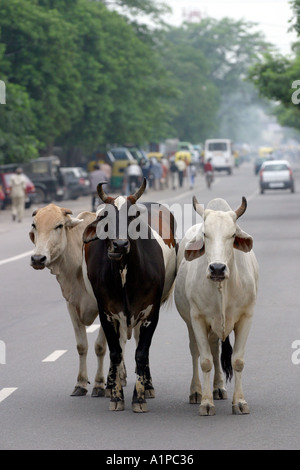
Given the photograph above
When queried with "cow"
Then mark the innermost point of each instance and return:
(58, 246)
(215, 293)
(130, 266)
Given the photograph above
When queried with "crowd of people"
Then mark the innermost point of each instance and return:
(161, 173)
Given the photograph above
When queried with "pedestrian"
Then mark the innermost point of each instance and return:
(173, 171)
(181, 166)
(96, 176)
(18, 194)
(192, 175)
(156, 172)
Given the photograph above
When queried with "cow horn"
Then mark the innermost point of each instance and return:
(198, 207)
(242, 209)
(140, 191)
(101, 193)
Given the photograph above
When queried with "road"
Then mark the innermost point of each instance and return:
(36, 411)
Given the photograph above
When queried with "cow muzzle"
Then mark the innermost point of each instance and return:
(217, 272)
(119, 248)
(38, 261)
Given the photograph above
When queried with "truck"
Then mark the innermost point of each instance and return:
(220, 151)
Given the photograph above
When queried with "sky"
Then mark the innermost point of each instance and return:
(272, 16)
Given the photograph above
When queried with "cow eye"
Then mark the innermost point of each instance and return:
(33, 226)
(59, 227)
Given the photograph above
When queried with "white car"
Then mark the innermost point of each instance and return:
(276, 174)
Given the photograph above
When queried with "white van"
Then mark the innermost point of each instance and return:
(221, 153)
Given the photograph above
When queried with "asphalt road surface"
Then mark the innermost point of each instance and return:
(36, 410)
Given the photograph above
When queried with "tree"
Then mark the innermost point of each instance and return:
(211, 65)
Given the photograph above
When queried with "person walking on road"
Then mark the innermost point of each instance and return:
(18, 192)
(96, 176)
(181, 166)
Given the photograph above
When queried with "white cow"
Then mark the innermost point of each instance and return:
(215, 293)
(58, 246)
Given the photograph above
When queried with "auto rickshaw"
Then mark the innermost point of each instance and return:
(183, 155)
(157, 155)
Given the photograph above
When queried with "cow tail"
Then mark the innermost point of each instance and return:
(226, 359)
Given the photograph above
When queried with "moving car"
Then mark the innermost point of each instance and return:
(276, 174)
(6, 186)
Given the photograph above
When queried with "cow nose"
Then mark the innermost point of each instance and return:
(120, 246)
(217, 270)
(38, 260)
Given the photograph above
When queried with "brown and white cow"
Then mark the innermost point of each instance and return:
(215, 294)
(130, 266)
(58, 246)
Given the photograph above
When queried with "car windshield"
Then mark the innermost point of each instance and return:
(217, 146)
(276, 167)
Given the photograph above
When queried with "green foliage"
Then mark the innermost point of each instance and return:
(81, 75)
(17, 127)
(274, 76)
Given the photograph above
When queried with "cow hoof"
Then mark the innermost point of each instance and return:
(240, 408)
(220, 394)
(150, 393)
(117, 405)
(195, 398)
(79, 391)
(207, 409)
(140, 407)
(98, 392)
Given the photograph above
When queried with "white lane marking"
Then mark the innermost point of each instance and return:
(6, 392)
(55, 355)
(16, 258)
(92, 328)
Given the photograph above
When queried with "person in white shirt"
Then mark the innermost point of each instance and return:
(18, 193)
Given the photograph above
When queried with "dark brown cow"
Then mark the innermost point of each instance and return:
(130, 265)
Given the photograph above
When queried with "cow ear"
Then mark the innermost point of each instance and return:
(90, 233)
(243, 241)
(194, 248)
(73, 222)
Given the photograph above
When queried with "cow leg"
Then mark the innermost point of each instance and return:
(116, 356)
(195, 389)
(220, 392)
(81, 388)
(147, 329)
(207, 407)
(149, 389)
(100, 350)
(241, 330)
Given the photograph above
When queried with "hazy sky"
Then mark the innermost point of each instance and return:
(271, 15)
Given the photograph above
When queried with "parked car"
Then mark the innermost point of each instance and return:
(5, 183)
(75, 182)
(276, 174)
